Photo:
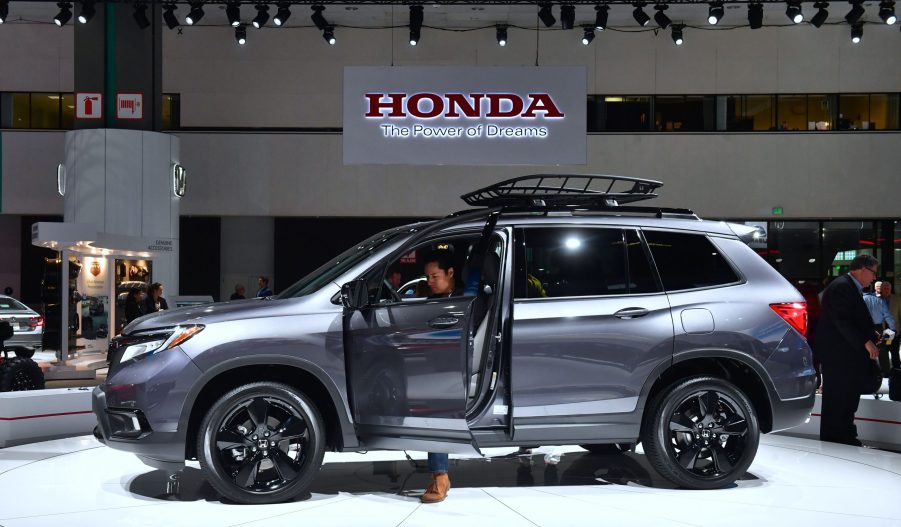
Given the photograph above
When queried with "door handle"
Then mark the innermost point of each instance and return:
(444, 322)
(631, 312)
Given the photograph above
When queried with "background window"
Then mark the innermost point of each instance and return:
(746, 113)
(884, 111)
(854, 112)
(627, 114)
(688, 261)
(686, 113)
(15, 108)
(791, 112)
(45, 110)
(67, 112)
(820, 114)
(171, 112)
(567, 262)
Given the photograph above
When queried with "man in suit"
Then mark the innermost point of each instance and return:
(845, 340)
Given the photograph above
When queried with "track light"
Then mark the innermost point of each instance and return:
(857, 32)
(64, 15)
(4, 10)
(793, 11)
(639, 15)
(195, 14)
(600, 19)
(820, 18)
(546, 15)
(501, 36)
(715, 13)
(318, 18)
(87, 11)
(660, 17)
(329, 35)
(588, 35)
(755, 15)
(284, 12)
(241, 34)
(415, 24)
(677, 33)
(233, 12)
(567, 16)
(140, 15)
(887, 12)
(855, 13)
(169, 16)
(262, 16)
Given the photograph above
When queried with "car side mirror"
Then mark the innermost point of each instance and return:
(354, 294)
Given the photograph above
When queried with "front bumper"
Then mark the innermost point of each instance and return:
(139, 406)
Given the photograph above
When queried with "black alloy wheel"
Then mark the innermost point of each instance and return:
(701, 433)
(261, 443)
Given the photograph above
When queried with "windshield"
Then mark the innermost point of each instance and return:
(331, 270)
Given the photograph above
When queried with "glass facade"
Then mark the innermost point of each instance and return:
(56, 111)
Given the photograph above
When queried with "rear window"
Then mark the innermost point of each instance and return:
(11, 304)
(688, 261)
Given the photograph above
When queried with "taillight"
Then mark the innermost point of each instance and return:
(795, 313)
(34, 322)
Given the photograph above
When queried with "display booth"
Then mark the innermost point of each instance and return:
(121, 190)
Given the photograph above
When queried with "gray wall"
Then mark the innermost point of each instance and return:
(10, 254)
(246, 253)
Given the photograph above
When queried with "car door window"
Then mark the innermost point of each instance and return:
(641, 275)
(572, 262)
(688, 261)
(446, 257)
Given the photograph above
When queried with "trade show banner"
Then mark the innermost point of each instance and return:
(465, 115)
(95, 303)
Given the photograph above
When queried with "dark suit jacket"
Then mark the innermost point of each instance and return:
(844, 327)
(150, 305)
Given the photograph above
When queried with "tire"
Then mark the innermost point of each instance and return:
(704, 457)
(610, 449)
(20, 374)
(231, 442)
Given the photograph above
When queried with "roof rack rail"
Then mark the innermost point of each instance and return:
(564, 191)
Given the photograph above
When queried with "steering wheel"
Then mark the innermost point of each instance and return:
(394, 296)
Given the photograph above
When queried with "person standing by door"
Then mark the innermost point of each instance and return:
(845, 341)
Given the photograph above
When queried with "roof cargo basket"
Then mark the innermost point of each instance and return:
(563, 191)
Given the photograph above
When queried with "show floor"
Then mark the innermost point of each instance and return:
(79, 482)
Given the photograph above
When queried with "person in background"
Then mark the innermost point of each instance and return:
(155, 301)
(845, 341)
(239, 293)
(878, 303)
(133, 305)
(894, 308)
(8, 291)
(264, 287)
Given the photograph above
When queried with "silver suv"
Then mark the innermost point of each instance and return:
(574, 319)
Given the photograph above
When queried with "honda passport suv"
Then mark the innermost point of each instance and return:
(575, 319)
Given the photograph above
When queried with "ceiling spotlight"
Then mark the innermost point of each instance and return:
(195, 14)
(567, 16)
(284, 12)
(169, 16)
(755, 15)
(793, 11)
(140, 15)
(233, 12)
(546, 15)
(318, 18)
(677, 33)
(501, 36)
(600, 19)
(329, 35)
(820, 17)
(660, 17)
(715, 13)
(415, 24)
(4, 10)
(241, 34)
(87, 11)
(639, 15)
(262, 16)
(855, 13)
(887, 12)
(588, 36)
(64, 15)
(857, 32)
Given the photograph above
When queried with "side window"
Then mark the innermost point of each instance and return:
(567, 262)
(444, 260)
(641, 277)
(688, 261)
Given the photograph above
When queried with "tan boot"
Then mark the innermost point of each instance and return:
(437, 491)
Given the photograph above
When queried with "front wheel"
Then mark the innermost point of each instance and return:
(701, 433)
(261, 443)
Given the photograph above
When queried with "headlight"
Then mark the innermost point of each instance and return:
(144, 344)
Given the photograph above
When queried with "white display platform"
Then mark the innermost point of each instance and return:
(793, 482)
(29, 416)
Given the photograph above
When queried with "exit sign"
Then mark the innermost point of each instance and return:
(777, 211)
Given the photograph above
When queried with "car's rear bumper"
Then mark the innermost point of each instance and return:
(788, 413)
(29, 340)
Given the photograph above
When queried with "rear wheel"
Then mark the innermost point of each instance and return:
(261, 443)
(701, 433)
(20, 374)
(608, 449)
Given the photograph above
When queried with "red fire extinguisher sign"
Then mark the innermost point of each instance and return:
(88, 105)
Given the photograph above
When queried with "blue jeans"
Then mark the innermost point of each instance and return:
(437, 462)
